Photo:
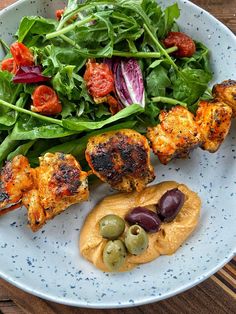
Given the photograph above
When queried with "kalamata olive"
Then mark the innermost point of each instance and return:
(170, 204)
(111, 226)
(114, 254)
(145, 218)
(136, 240)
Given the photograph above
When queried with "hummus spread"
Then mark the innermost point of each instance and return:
(164, 242)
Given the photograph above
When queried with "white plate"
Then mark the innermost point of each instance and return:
(48, 263)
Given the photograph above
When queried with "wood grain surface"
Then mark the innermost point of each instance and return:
(215, 295)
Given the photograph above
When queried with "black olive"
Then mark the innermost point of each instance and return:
(145, 218)
(170, 204)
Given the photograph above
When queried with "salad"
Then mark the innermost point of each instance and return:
(98, 66)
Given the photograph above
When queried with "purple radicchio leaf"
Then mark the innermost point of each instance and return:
(110, 62)
(30, 74)
(120, 85)
(129, 82)
(134, 80)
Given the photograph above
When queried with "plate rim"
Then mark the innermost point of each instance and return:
(147, 300)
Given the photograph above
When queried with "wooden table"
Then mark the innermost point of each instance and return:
(215, 295)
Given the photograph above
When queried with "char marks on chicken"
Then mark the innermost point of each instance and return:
(121, 158)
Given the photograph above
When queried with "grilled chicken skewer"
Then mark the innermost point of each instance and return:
(214, 120)
(59, 183)
(15, 179)
(121, 158)
(180, 131)
(175, 136)
(226, 92)
(45, 191)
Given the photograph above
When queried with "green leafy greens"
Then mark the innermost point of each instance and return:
(96, 29)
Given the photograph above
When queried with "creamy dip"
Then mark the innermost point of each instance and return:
(164, 242)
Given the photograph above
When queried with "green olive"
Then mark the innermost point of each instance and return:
(136, 240)
(114, 254)
(111, 227)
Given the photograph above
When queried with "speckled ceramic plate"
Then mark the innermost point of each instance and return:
(48, 263)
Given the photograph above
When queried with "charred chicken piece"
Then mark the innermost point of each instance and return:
(121, 158)
(45, 191)
(15, 178)
(59, 183)
(36, 213)
(175, 136)
(214, 120)
(226, 92)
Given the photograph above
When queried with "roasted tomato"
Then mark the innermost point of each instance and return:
(99, 79)
(22, 55)
(59, 14)
(114, 104)
(185, 44)
(9, 65)
(46, 101)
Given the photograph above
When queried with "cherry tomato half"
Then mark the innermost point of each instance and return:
(22, 55)
(59, 14)
(9, 65)
(114, 105)
(99, 79)
(46, 101)
(185, 44)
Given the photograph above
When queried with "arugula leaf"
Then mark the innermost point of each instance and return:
(200, 60)
(71, 6)
(160, 21)
(189, 84)
(171, 13)
(48, 57)
(64, 82)
(5, 46)
(152, 111)
(108, 49)
(73, 9)
(32, 29)
(126, 27)
(155, 64)
(81, 125)
(157, 82)
(54, 58)
(102, 110)
(4, 128)
(67, 108)
(21, 150)
(9, 92)
(153, 11)
(6, 147)
(29, 128)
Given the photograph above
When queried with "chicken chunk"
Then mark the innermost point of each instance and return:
(121, 158)
(15, 178)
(59, 183)
(214, 120)
(175, 136)
(36, 213)
(226, 92)
(45, 191)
